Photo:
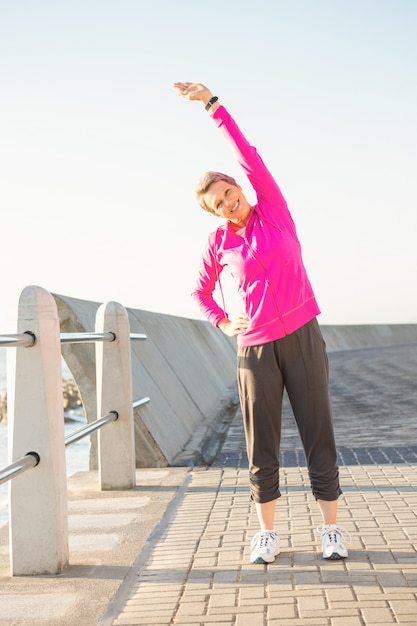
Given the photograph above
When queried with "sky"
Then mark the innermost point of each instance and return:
(99, 157)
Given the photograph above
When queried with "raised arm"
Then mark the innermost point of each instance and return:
(271, 203)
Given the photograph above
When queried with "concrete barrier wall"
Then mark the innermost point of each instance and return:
(356, 337)
(188, 369)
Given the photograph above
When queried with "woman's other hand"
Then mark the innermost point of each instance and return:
(234, 327)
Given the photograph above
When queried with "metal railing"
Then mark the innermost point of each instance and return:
(31, 459)
(25, 463)
(39, 533)
(91, 428)
(93, 337)
(28, 339)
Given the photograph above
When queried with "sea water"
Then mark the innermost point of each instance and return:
(76, 454)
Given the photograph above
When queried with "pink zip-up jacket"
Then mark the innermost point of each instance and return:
(265, 261)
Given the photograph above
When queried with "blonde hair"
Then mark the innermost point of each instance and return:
(206, 181)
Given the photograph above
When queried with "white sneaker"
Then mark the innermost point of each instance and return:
(264, 547)
(332, 538)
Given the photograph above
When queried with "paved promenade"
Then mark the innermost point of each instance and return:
(175, 550)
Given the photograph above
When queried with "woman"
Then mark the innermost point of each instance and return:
(279, 340)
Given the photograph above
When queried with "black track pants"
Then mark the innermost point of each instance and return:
(299, 363)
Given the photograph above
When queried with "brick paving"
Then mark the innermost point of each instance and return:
(196, 569)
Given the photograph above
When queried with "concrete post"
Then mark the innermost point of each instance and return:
(116, 446)
(37, 498)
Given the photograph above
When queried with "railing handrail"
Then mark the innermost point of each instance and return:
(23, 464)
(91, 427)
(26, 339)
(87, 337)
(31, 459)
(141, 402)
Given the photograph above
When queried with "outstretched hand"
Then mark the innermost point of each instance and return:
(193, 91)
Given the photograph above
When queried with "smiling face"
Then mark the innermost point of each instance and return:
(227, 201)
